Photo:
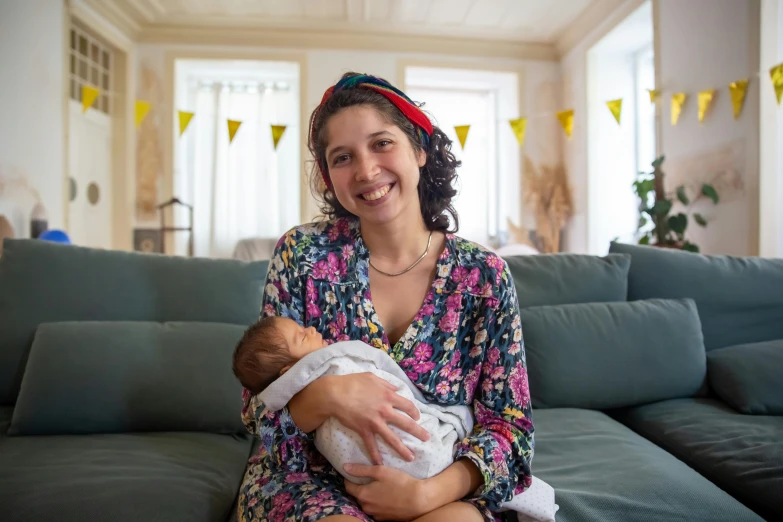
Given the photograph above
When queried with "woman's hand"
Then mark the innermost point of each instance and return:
(392, 494)
(368, 404)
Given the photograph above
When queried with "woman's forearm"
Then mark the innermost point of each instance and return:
(312, 406)
(456, 482)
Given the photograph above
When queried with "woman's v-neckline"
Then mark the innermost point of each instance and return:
(440, 272)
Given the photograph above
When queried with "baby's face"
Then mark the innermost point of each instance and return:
(300, 340)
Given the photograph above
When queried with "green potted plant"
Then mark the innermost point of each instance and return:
(655, 206)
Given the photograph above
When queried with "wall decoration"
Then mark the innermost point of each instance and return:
(616, 108)
(277, 133)
(678, 101)
(93, 193)
(72, 189)
(705, 101)
(519, 126)
(149, 154)
(566, 119)
(462, 134)
(737, 91)
(147, 240)
(233, 127)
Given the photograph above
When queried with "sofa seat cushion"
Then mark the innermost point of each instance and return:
(601, 470)
(742, 454)
(6, 413)
(166, 477)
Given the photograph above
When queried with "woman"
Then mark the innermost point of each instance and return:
(386, 269)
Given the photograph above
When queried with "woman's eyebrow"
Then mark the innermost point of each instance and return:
(341, 148)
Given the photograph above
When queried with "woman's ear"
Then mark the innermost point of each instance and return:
(421, 157)
(285, 369)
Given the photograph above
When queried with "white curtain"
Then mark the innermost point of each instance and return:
(246, 188)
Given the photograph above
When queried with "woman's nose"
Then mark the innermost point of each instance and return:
(366, 168)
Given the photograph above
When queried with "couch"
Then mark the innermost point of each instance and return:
(117, 400)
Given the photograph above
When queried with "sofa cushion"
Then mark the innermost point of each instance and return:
(6, 412)
(603, 471)
(749, 377)
(165, 477)
(607, 355)
(740, 299)
(43, 282)
(741, 454)
(552, 279)
(118, 377)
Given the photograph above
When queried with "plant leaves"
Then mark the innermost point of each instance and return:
(662, 207)
(681, 195)
(658, 162)
(642, 222)
(678, 223)
(698, 218)
(645, 240)
(710, 192)
(690, 247)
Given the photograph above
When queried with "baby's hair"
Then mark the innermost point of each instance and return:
(260, 355)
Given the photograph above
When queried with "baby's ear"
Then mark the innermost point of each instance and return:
(285, 369)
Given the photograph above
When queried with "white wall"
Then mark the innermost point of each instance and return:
(32, 105)
(575, 96)
(703, 44)
(539, 82)
(771, 167)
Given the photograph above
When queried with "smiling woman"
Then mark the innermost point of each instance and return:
(387, 269)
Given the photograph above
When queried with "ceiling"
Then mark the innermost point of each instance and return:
(517, 21)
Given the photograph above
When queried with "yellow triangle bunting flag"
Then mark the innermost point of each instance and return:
(616, 107)
(737, 90)
(462, 134)
(89, 95)
(654, 94)
(184, 120)
(705, 100)
(142, 108)
(776, 73)
(567, 121)
(519, 126)
(233, 127)
(678, 100)
(277, 133)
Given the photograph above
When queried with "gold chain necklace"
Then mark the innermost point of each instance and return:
(427, 251)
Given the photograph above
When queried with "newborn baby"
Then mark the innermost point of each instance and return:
(274, 345)
(269, 348)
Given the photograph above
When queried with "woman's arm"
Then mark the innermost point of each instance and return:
(456, 482)
(501, 444)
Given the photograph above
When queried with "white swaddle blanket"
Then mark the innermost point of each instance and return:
(446, 425)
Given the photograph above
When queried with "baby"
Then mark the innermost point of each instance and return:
(269, 348)
(273, 345)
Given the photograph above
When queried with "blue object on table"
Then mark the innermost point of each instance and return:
(56, 236)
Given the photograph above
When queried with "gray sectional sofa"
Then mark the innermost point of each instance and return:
(655, 378)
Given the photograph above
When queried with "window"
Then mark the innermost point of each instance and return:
(90, 64)
(644, 79)
(243, 189)
(489, 176)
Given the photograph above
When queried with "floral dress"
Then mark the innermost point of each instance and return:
(463, 347)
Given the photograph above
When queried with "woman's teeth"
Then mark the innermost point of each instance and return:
(372, 196)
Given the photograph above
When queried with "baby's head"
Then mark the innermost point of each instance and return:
(269, 348)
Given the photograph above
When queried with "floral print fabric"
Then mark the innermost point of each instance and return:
(463, 347)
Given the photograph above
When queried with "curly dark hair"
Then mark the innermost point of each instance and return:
(437, 177)
(260, 355)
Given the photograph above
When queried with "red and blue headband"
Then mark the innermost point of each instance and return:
(397, 97)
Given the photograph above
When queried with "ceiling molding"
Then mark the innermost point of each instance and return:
(313, 39)
(117, 17)
(122, 37)
(593, 16)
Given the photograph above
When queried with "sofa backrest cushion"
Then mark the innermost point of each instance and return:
(740, 299)
(44, 282)
(552, 279)
(749, 377)
(119, 377)
(611, 355)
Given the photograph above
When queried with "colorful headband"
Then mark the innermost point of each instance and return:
(391, 93)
